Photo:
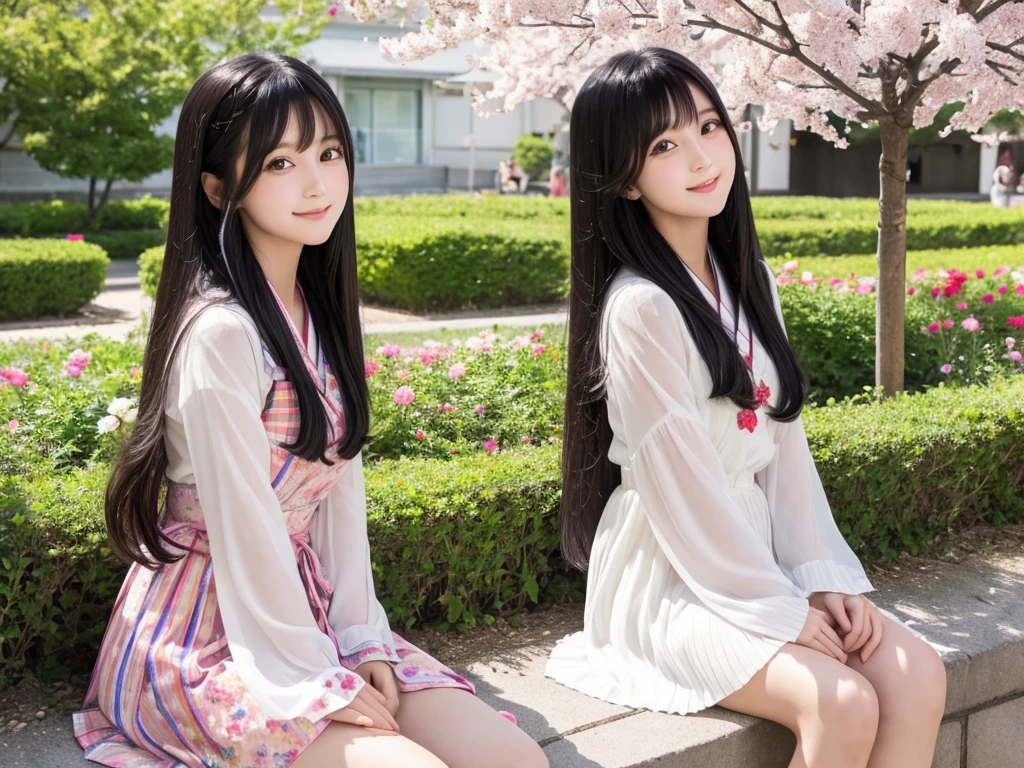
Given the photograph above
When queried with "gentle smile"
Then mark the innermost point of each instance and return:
(707, 186)
(314, 214)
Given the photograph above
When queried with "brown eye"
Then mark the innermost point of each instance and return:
(662, 146)
(337, 153)
(276, 165)
(716, 123)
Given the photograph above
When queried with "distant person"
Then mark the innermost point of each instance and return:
(1004, 179)
(557, 182)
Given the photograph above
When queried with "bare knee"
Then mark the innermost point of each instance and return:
(848, 712)
(926, 681)
(520, 751)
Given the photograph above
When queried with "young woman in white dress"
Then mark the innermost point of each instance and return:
(717, 574)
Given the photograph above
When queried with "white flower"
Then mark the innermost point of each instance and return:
(119, 407)
(108, 424)
(129, 417)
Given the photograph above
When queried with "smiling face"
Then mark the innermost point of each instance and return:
(299, 195)
(689, 168)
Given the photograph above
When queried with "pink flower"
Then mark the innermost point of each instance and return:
(864, 288)
(538, 350)
(75, 237)
(947, 324)
(537, 335)
(447, 408)
(791, 266)
(807, 277)
(910, 291)
(980, 273)
(988, 298)
(1010, 341)
(370, 367)
(1019, 289)
(420, 434)
(1000, 271)
(971, 324)
(490, 446)
(332, 11)
(404, 396)
(12, 426)
(526, 441)
(946, 368)
(1016, 356)
(833, 281)
(961, 305)
(456, 372)
(389, 350)
(76, 362)
(935, 292)
(15, 376)
(1016, 322)
(402, 375)
(134, 372)
(746, 419)
(479, 410)
(785, 280)
(1001, 289)
(933, 328)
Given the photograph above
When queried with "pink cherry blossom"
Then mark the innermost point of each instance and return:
(456, 372)
(404, 396)
(971, 324)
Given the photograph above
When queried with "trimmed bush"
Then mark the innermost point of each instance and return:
(533, 154)
(48, 277)
(127, 243)
(437, 265)
(457, 542)
(61, 218)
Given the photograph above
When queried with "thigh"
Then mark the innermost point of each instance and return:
(342, 745)
(797, 685)
(907, 673)
(465, 732)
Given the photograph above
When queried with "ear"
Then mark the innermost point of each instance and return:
(632, 194)
(213, 187)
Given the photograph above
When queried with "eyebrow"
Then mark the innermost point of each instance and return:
(323, 140)
(707, 109)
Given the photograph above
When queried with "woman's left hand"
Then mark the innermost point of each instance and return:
(858, 620)
(380, 675)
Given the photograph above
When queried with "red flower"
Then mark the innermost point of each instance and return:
(762, 394)
(746, 419)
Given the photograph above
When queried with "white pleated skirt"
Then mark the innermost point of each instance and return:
(647, 641)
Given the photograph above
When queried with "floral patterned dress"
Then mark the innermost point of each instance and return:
(234, 654)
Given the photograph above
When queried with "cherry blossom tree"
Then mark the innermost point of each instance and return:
(890, 62)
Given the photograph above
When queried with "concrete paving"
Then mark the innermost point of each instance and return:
(972, 611)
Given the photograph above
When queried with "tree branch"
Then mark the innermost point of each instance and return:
(991, 8)
(1007, 49)
(995, 66)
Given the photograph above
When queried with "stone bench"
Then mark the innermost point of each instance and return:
(973, 611)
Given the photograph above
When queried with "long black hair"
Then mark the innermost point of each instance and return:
(622, 107)
(241, 107)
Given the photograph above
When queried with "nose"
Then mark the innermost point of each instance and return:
(699, 160)
(314, 182)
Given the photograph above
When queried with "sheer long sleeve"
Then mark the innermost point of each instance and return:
(290, 667)
(679, 474)
(338, 534)
(807, 540)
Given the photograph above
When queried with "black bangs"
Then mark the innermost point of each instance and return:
(663, 100)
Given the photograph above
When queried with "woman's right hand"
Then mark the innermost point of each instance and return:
(368, 710)
(818, 635)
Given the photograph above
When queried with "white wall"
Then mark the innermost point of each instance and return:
(987, 167)
(773, 158)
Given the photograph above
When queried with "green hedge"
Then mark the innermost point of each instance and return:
(417, 264)
(62, 218)
(48, 277)
(456, 543)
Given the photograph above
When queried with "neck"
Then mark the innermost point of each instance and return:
(279, 260)
(686, 235)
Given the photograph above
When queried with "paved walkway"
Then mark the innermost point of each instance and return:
(117, 311)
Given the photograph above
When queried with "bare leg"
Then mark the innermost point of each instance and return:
(351, 746)
(832, 709)
(910, 680)
(464, 732)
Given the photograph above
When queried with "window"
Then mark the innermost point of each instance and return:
(386, 124)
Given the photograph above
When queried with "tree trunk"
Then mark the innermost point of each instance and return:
(92, 198)
(94, 206)
(892, 257)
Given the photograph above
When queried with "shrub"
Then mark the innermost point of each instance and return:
(61, 218)
(48, 277)
(127, 243)
(533, 154)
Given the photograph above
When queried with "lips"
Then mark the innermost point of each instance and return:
(706, 186)
(318, 214)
